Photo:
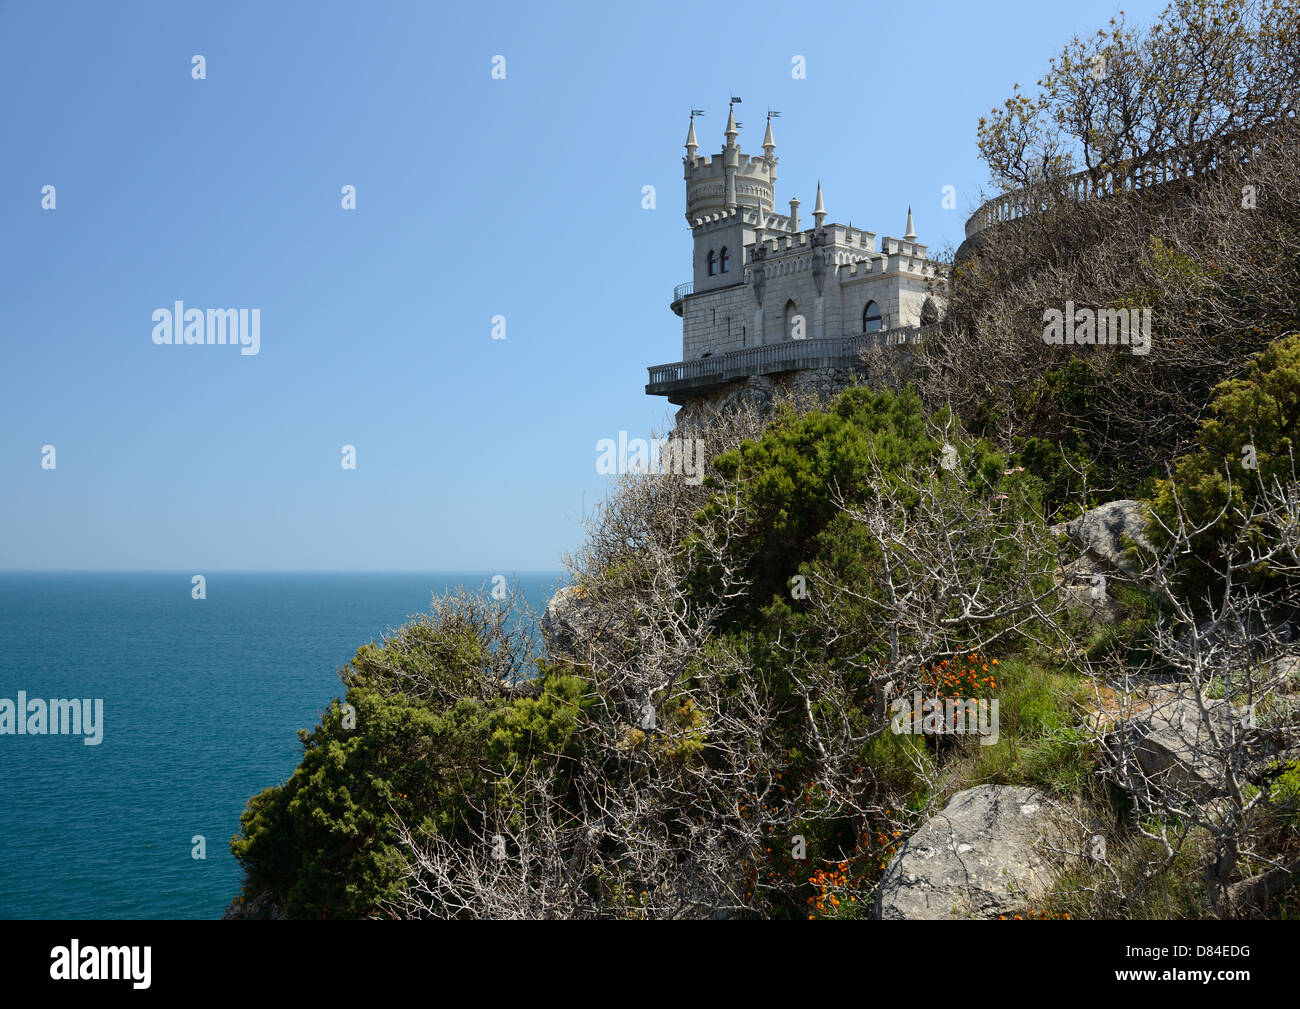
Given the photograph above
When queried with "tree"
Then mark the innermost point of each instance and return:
(1205, 73)
(1208, 247)
(1207, 755)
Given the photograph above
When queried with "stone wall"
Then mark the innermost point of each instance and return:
(819, 384)
(705, 325)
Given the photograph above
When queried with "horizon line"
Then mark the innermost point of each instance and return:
(278, 571)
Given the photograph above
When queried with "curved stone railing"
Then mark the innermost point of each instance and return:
(770, 358)
(1094, 183)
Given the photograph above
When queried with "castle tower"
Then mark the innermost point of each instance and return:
(725, 194)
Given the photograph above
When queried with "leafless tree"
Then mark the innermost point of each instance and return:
(1196, 737)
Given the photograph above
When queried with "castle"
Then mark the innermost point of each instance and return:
(775, 305)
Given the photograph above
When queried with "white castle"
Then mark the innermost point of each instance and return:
(771, 304)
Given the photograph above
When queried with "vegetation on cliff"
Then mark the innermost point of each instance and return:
(708, 724)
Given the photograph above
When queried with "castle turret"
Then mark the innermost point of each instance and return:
(728, 182)
(911, 228)
(731, 154)
(819, 210)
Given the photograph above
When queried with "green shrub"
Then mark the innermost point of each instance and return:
(325, 844)
(1215, 483)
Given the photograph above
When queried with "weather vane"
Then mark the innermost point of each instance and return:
(735, 100)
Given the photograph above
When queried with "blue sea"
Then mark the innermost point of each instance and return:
(202, 699)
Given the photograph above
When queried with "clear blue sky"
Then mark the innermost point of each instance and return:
(475, 197)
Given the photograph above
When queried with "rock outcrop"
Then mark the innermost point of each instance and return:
(1181, 751)
(1100, 537)
(1176, 746)
(563, 623)
(984, 855)
(1102, 532)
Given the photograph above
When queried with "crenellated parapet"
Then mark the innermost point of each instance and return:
(730, 179)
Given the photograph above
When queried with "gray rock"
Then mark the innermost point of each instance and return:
(1285, 670)
(1174, 745)
(1086, 584)
(984, 855)
(1100, 539)
(1101, 532)
(563, 623)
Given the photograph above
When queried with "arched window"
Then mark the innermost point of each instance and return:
(795, 328)
(710, 262)
(871, 317)
(722, 257)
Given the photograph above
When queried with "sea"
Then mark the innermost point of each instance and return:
(201, 702)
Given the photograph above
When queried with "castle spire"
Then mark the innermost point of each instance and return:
(911, 228)
(819, 209)
(692, 145)
(731, 126)
(769, 145)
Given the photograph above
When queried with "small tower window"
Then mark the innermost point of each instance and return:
(793, 323)
(871, 317)
(722, 259)
(710, 261)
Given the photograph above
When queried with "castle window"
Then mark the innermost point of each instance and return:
(793, 320)
(871, 317)
(710, 262)
(722, 257)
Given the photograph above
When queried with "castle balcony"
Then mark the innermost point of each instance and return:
(684, 379)
(679, 295)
